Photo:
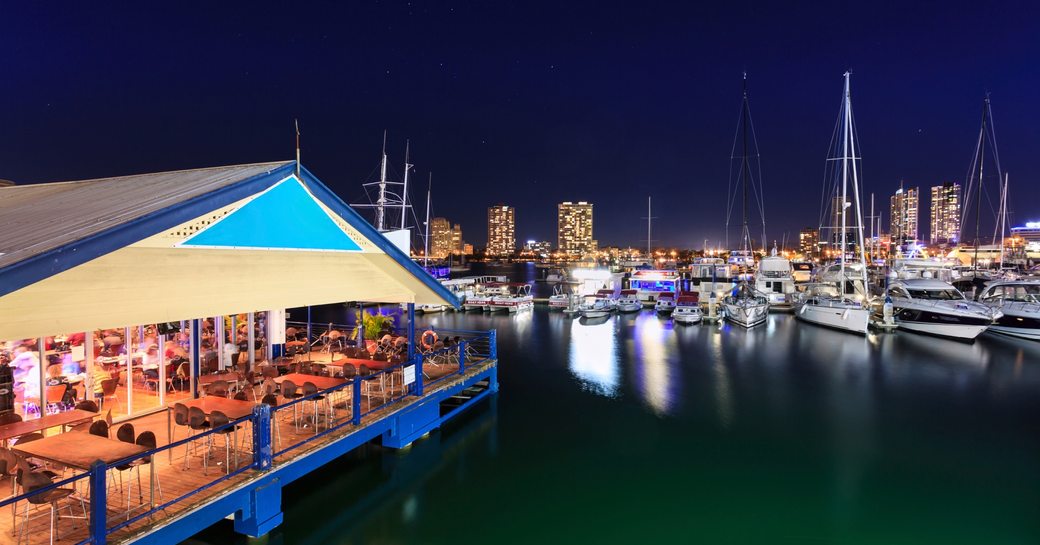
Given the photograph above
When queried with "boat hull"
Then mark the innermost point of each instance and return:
(1029, 333)
(963, 332)
(853, 320)
(746, 316)
(597, 313)
(629, 307)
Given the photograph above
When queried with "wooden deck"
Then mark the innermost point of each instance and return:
(175, 480)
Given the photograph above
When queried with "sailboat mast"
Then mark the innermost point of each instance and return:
(648, 219)
(978, 198)
(1003, 218)
(745, 172)
(855, 183)
(381, 201)
(844, 181)
(404, 188)
(429, 191)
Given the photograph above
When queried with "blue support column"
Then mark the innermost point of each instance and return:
(417, 362)
(462, 357)
(98, 504)
(356, 405)
(196, 357)
(411, 330)
(493, 342)
(263, 451)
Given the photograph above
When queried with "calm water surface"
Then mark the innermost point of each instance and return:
(633, 430)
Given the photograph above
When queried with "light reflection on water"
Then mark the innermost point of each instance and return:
(654, 349)
(593, 357)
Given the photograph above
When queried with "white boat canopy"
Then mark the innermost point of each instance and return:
(151, 248)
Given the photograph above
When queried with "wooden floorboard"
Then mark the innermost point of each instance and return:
(176, 481)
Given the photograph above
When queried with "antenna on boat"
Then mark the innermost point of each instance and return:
(649, 217)
(297, 123)
(429, 191)
(404, 188)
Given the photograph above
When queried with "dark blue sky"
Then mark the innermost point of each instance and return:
(523, 103)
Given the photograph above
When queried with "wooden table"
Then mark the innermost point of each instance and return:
(80, 450)
(323, 383)
(18, 429)
(232, 408)
(206, 380)
(375, 365)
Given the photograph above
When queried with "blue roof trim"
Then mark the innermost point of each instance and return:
(330, 199)
(31, 270)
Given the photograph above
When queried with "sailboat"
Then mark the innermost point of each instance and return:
(428, 309)
(836, 309)
(745, 306)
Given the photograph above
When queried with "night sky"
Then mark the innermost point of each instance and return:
(526, 104)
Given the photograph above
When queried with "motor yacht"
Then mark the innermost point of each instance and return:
(1019, 304)
(629, 301)
(665, 303)
(687, 309)
(935, 307)
(774, 279)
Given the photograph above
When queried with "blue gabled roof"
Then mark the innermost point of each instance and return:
(70, 250)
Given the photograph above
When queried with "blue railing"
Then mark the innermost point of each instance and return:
(474, 348)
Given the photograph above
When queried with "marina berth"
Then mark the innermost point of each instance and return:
(157, 304)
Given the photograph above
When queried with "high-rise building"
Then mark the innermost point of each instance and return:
(904, 215)
(440, 238)
(834, 229)
(946, 214)
(538, 248)
(574, 228)
(809, 242)
(457, 245)
(501, 229)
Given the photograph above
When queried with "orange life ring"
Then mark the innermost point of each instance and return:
(427, 334)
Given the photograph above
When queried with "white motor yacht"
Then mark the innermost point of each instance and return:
(595, 307)
(687, 309)
(665, 303)
(774, 279)
(935, 307)
(1019, 304)
(560, 299)
(629, 301)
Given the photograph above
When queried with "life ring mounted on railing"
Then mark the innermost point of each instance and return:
(428, 339)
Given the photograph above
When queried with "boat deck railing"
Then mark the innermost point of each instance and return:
(341, 409)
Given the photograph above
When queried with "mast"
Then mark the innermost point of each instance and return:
(855, 181)
(426, 251)
(978, 198)
(648, 219)
(381, 201)
(1003, 218)
(404, 188)
(844, 181)
(297, 123)
(745, 170)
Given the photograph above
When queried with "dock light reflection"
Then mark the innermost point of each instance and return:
(654, 344)
(593, 357)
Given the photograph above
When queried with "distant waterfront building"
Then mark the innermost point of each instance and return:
(538, 247)
(467, 249)
(1029, 233)
(904, 215)
(457, 244)
(809, 242)
(501, 230)
(574, 228)
(946, 214)
(440, 238)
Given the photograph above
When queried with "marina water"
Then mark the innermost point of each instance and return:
(632, 430)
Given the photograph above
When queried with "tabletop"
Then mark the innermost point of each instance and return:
(205, 380)
(16, 429)
(233, 408)
(375, 365)
(79, 449)
(323, 383)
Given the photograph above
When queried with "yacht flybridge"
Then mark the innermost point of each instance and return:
(841, 309)
(775, 280)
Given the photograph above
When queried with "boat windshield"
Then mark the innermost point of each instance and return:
(943, 295)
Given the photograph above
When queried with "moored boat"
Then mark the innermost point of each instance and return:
(937, 308)
(629, 301)
(687, 309)
(665, 303)
(1019, 304)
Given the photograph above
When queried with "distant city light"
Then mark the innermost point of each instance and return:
(1033, 225)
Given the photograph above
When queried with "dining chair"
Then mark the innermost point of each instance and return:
(216, 420)
(197, 423)
(148, 441)
(271, 400)
(99, 428)
(310, 389)
(34, 480)
(108, 391)
(291, 393)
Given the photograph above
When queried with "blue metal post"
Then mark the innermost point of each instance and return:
(493, 342)
(417, 361)
(98, 504)
(263, 451)
(462, 357)
(411, 330)
(196, 356)
(356, 415)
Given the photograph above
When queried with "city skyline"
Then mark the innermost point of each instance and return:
(530, 122)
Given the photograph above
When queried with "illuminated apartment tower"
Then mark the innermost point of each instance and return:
(440, 238)
(501, 229)
(809, 242)
(904, 215)
(457, 245)
(574, 228)
(946, 214)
